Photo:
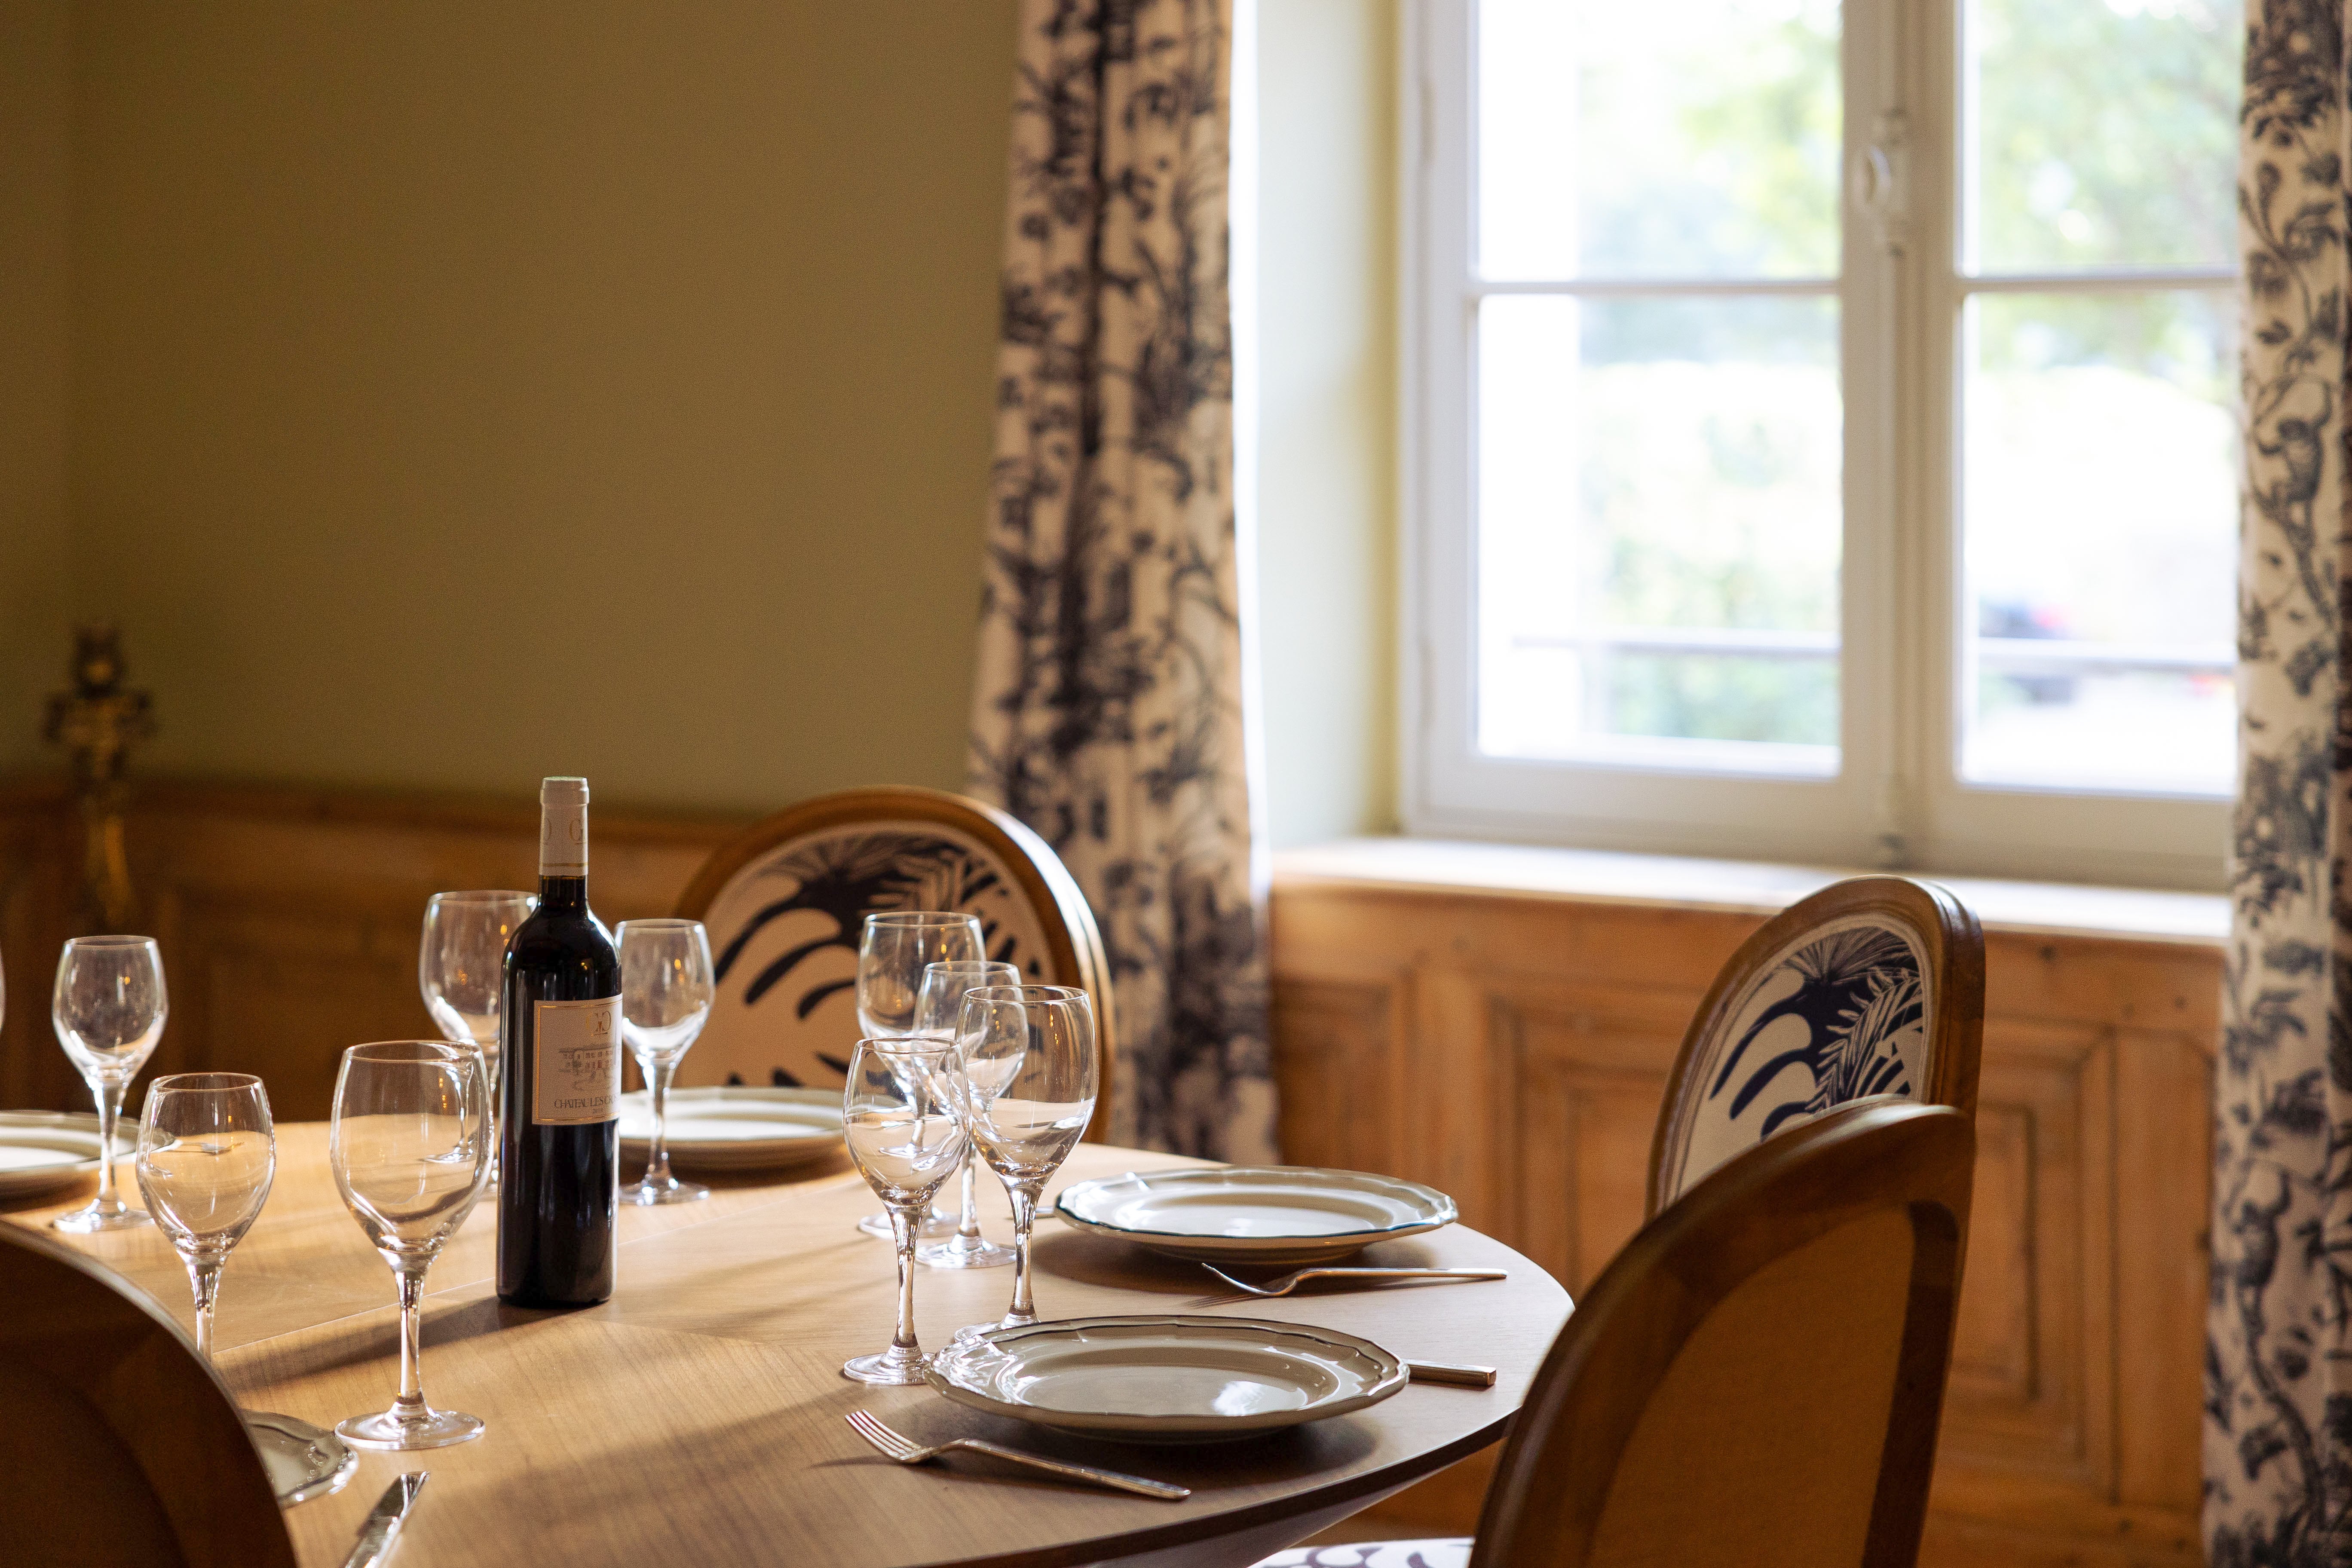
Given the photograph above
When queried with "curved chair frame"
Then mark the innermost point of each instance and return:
(76, 1336)
(1953, 944)
(1074, 939)
(1561, 1463)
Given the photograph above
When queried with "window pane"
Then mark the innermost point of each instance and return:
(1659, 524)
(2102, 526)
(2103, 133)
(1698, 140)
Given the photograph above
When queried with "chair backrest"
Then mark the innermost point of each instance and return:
(1872, 985)
(786, 902)
(1756, 1379)
(118, 1444)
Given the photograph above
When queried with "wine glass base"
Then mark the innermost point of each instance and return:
(433, 1429)
(935, 1224)
(892, 1368)
(302, 1461)
(962, 1252)
(93, 1219)
(673, 1191)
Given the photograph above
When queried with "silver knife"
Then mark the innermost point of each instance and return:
(382, 1531)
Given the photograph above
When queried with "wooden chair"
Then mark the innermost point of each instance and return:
(118, 1444)
(786, 902)
(1754, 1381)
(1872, 985)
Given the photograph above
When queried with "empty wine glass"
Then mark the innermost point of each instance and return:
(1024, 1074)
(893, 951)
(461, 964)
(937, 1009)
(409, 1142)
(898, 1118)
(206, 1157)
(208, 1154)
(665, 1001)
(108, 1009)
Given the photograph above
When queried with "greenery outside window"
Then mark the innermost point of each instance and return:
(1820, 429)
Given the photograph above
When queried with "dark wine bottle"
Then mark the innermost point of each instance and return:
(559, 1038)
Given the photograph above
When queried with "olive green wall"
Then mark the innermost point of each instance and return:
(464, 392)
(35, 328)
(467, 391)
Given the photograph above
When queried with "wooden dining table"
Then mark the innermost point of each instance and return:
(699, 1414)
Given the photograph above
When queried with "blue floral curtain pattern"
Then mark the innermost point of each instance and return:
(2278, 1399)
(1108, 712)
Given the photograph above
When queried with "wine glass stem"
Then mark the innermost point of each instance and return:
(657, 1074)
(493, 1061)
(204, 1279)
(1024, 1214)
(969, 1227)
(903, 1220)
(109, 1110)
(411, 1403)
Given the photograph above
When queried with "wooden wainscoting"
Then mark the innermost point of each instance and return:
(288, 917)
(1512, 1048)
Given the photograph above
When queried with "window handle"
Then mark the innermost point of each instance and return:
(1882, 183)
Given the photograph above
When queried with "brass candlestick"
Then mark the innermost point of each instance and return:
(97, 722)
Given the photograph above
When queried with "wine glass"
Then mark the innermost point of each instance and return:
(898, 1118)
(665, 990)
(409, 1142)
(936, 1008)
(893, 951)
(1024, 1077)
(461, 964)
(108, 1009)
(207, 1155)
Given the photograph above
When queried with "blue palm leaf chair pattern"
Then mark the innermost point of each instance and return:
(786, 906)
(1836, 999)
(1447, 1554)
(1837, 1015)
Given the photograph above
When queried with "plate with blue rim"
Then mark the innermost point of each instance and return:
(1254, 1213)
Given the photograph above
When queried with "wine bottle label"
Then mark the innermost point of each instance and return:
(577, 1062)
(563, 839)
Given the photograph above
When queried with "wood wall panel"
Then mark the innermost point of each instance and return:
(2042, 1309)
(289, 919)
(1585, 1072)
(1993, 1350)
(1337, 1106)
(38, 853)
(1535, 1057)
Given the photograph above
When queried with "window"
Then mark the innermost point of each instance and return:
(1819, 428)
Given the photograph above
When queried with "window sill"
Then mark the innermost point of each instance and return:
(1610, 877)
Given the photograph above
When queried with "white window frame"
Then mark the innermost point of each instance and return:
(1897, 799)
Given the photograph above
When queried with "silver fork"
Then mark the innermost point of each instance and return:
(1289, 1282)
(907, 1451)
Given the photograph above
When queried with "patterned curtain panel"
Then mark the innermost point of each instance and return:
(1108, 714)
(2278, 1405)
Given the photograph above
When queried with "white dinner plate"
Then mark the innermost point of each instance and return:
(43, 1150)
(1167, 1379)
(737, 1128)
(1255, 1214)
